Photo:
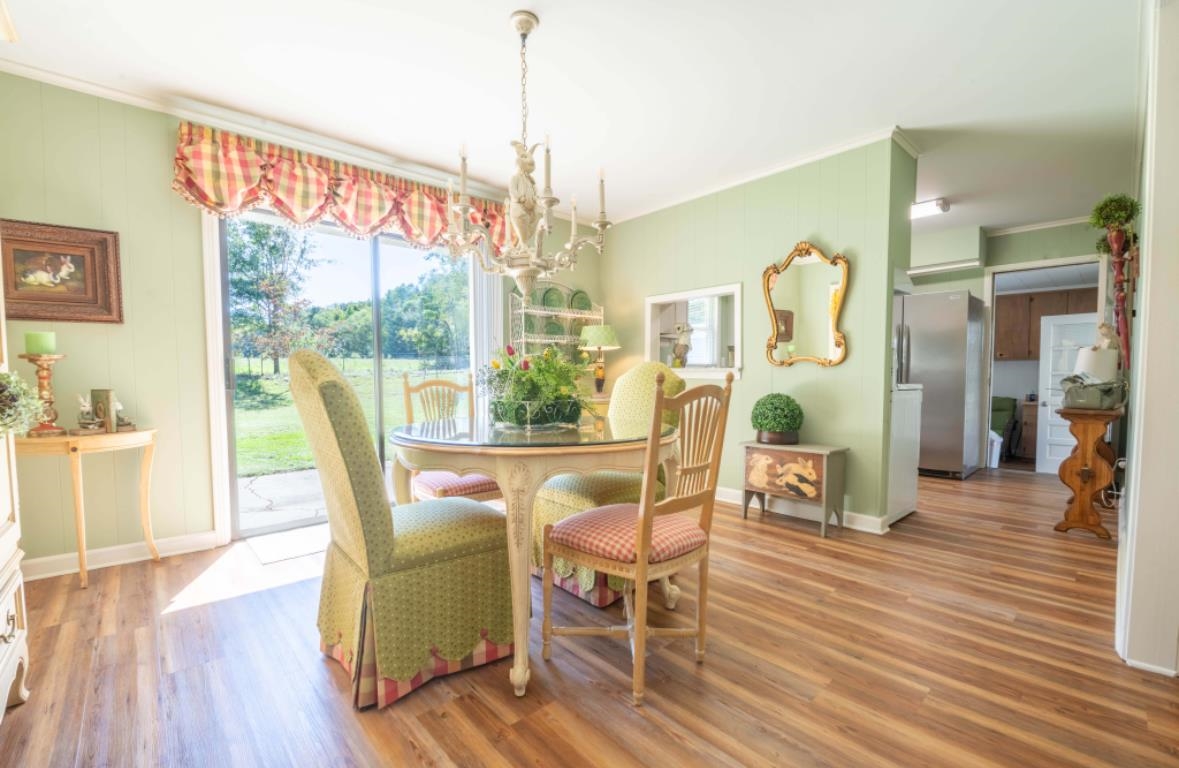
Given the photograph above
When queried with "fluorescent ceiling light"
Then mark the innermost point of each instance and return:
(928, 208)
(7, 30)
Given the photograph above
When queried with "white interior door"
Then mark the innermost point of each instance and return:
(1060, 338)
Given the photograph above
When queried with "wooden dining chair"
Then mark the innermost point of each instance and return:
(651, 539)
(631, 405)
(438, 400)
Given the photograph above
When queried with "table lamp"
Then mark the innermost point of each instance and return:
(1097, 364)
(603, 339)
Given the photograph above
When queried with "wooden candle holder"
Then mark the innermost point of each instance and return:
(44, 364)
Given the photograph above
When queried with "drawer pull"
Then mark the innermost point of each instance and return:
(8, 638)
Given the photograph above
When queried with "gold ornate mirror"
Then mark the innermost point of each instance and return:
(804, 295)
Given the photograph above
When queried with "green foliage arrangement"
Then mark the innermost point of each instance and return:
(1114, 212)
(531, 391)
(776, 412)
(20, 408)
(1103, 244)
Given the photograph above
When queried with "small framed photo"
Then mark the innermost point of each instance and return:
(60, 273)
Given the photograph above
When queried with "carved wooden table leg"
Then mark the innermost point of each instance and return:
(1088, 470)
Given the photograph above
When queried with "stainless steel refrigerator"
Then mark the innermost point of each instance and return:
(938, 343)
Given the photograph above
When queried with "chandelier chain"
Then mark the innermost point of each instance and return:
(524, 89)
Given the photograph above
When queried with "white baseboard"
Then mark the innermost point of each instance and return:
(58, 565)
(854, 520)
(1151, 668)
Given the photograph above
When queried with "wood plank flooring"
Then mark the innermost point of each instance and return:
(971, 635)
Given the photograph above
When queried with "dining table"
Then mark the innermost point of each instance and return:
(520, 461)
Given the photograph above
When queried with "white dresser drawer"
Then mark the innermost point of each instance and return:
(13, 634)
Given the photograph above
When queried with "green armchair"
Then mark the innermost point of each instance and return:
(411, 592)
(563, 496)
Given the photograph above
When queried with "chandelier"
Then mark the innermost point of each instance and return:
(530, 216)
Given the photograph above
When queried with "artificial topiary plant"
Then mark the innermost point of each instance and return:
(1114, 212)
(777, 419)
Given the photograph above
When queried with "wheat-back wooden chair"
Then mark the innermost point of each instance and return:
(438, 400)
(651, 539)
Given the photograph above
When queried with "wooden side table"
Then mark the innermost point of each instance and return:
(75, 446)
(1089, 468)
(804, 472)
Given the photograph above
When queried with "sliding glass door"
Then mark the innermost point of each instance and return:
(377, 308)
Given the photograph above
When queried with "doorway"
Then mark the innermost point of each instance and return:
(377, 308)
(1040, 316)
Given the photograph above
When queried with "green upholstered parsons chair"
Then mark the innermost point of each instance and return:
(410, 592)
(630, 413)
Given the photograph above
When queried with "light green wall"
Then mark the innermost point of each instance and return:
(77, 160)
(947, 245)
(854, 203)
(1040, 244)
(1001, 250)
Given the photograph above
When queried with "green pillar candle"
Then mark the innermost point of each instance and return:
(41, 343)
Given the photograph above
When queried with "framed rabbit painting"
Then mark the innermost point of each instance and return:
(60, 273)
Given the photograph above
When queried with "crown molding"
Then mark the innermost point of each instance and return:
(257, 127)
(905, 142)
(893, 132)
(1034, 227)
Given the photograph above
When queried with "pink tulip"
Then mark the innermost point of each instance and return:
(510, 350)
(525, 365)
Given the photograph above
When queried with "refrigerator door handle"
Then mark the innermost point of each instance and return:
(908, 353)
(898, 338)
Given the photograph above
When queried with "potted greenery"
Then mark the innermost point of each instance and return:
(1115, 214)
(20, 408)
(537, 392)
(777, 419)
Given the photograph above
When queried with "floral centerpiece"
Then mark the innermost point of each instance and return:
(533, 392)
(20, 407)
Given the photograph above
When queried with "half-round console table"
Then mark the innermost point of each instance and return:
(75, 446)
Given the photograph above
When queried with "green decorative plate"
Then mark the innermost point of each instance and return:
(580, 300)
(554, 299)
(529, 324)
(554, 328)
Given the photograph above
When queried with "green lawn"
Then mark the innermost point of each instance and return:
(268, 433)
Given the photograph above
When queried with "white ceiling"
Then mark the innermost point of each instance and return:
(1024, 111)
(1047, 278)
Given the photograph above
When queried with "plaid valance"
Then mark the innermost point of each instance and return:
(229, 174)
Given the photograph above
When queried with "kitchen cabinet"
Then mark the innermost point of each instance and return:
(1017, 318)
(1041, 305)
(1028, 416)
(1011, 327)
(1082, 300)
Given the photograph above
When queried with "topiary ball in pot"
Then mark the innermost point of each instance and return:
(777, 419)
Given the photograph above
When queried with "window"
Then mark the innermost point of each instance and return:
(378, 309)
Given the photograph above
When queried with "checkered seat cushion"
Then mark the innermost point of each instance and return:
(609, 532)
(446, 485)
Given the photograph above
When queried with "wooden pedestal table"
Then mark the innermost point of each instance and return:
(520, 462)
(75, 446)
(1089, 468)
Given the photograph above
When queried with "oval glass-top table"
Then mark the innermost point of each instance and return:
(520, 462)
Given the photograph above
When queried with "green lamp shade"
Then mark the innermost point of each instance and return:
(599, 337)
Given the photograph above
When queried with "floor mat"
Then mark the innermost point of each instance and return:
(287, 545)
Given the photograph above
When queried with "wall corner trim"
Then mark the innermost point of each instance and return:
(906, 143)
(1034, 227)
(1151, 668)
(855, 521)
(119, 554)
